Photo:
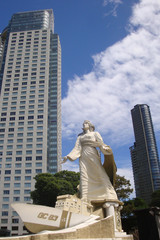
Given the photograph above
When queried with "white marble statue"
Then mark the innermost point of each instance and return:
(95, 184)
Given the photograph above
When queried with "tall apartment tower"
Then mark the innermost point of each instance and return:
(144, 154)
(30, 109)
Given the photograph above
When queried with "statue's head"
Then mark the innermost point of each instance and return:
(91, 126)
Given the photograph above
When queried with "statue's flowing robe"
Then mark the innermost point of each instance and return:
(95, 183)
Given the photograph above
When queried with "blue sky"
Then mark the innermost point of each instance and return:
(110, 62)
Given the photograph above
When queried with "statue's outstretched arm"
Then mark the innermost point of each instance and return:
(75, 153)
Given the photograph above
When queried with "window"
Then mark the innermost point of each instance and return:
(6, 185)
(12, 124)
(2, 130)
(4, 213)
(4, 220)
(30, 128)
(29, 152)
(27, 185)
(16, 199)
(16, 220)
(7, 171)
(28, 158)
(19, 146)
(27, 199)
(5, 206)
(27, 178)
(39, 127)
(21, 118)
(18, 165)
(18, 152)
(8, 159)
(29, 146)
(5, 199)
(39, 164)
(11, 129)
(28, 164)
(20, 134)
(17, 178)
(38, 151)
(17, 185)
(6, 192)
(21, 112)
(30, 122)
(10, 135)
(8, 165)
(27, 191)
(38, 157)
(39, 145)
(31, 106)
(28, 171)
(20, 129)
(16, 191)
(9, 146)
(40, 116)
(21, 123)
(14, 228)
(29, 139)
(7, 178)
(3, 114)
(12, 118)
(39, 139)
(31, 112)
(38, 170)
(12, 113)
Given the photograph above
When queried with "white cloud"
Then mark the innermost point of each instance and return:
(113, 6)
(70, 166)
(123, 75)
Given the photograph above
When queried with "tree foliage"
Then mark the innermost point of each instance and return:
(155, 202)
(69, 176)
(129, 220)
(49, 186)
(123, 188)
(131, 205)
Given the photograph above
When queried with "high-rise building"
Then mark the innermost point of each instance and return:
(144, 154)
(30, 108)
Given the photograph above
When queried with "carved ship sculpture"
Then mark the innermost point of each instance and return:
(37, 218)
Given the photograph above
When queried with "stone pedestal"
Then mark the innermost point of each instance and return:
(99, 230)
(100, 220)
(113, 209)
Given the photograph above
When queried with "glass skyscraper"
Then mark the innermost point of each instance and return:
(30, 108)
(144, 154)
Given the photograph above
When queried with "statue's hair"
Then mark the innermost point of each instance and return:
(91, 126)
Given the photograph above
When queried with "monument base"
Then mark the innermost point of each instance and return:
(99, 230)
(73, 218)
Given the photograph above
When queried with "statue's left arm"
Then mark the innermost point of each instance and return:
(105, 149)
(109, 163)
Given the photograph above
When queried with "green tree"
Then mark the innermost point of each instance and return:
(155, 201)
(49, 186)
(123, 188)
(69, 176)
(129, 221)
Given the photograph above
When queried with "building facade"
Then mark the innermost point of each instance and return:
(144, 153)
(30, 109)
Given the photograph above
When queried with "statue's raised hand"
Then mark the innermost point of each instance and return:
(64, 159)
